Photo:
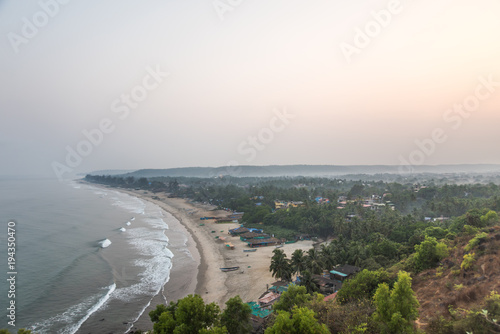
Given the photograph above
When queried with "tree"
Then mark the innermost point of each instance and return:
(186, 316)
(298, 261)
(295, 296)
(488, 218)
(280, 266)
(396, 310)
(362, 286)
(429, 253)
(308, 282)
(313, 261)
(236, 316)
(300, 321)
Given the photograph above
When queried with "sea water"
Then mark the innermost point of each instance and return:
(89, 259)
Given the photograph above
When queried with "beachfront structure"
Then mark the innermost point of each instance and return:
(253, 235)
(225, 220)
(263, 242)
(238, 231)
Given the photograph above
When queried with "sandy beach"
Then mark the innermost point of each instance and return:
(249, 282)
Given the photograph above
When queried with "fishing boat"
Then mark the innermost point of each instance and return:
(229, 269)
(250, 250)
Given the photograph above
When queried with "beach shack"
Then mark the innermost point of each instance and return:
(253, 235)
(263, 242)
(238, 231)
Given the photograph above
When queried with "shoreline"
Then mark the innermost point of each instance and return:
(213, 285)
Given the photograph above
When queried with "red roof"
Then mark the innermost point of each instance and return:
(330, 297)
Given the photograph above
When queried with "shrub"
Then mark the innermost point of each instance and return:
(476, 241)
(468, 261)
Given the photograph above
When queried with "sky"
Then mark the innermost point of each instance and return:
(121, 84)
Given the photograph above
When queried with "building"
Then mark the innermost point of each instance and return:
(344, 272)
(253, 243)
(238, 231)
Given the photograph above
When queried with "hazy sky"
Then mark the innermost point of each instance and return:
(249, 82)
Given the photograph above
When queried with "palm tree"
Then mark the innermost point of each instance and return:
(298, 261)
(314, 263)
(307, 281)
(280, 265)
(327, 257)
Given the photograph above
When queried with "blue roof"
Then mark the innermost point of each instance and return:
(338, 273)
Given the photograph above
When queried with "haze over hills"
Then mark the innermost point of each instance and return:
(303, 170)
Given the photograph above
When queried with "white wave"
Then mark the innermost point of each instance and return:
(76, 315)
(123, 229)
(156, 222)
(105, 243)
(130, 203)
(169, 252)
(156, 263)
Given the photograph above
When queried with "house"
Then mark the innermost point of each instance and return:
(330, 297)
(326, 284)
(268, 299)
(344, 272)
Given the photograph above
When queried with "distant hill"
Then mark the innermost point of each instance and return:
(302, 170)
(112, 172)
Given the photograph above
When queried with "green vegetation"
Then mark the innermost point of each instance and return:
(363, 285)
(396, 309)
(468, 261)
(191, 315)
(299, 321)
(429, 253)
(479, 238)
(383, 227)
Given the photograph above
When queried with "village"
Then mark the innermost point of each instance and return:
(329, 282)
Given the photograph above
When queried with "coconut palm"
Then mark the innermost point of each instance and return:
(298, 261)
(314, 263)
(280, 266)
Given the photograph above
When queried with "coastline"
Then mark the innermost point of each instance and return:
(213, 285)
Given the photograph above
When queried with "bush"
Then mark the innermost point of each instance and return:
(468, 261)
(480, 237)
(429, 253)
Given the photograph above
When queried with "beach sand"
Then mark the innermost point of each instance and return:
(213, 285)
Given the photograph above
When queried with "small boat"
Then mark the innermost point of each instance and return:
(250, 250)
(229, 269)
(279, 246)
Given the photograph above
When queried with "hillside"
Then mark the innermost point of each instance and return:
(307, 170)
(449, 286)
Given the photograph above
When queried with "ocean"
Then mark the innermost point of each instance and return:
(88, 259)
